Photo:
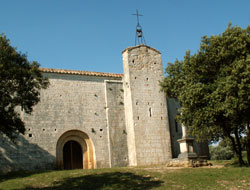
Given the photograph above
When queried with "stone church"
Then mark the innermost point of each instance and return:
(100, 120)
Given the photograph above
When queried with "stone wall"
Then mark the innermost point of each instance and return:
(72, 102)
(145, 107)
(116, 123)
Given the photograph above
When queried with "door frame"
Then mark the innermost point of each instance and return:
(85, 143)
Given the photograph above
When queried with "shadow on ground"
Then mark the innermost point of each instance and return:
(20, 174)
(114, 180)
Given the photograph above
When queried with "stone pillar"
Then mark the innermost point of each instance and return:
(186, 146)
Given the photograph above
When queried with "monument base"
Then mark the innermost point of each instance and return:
(187, 156)
(191, 163)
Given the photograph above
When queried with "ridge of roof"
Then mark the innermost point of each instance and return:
(87, 73)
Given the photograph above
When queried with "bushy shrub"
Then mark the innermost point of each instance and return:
(221, 152)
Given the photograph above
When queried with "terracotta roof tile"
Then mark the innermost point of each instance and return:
(87, 73)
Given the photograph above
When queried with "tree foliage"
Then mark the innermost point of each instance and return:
(213, 87)
(20, 84)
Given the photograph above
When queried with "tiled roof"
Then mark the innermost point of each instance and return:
(87, 73)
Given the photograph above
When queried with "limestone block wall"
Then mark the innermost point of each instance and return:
(23, 155)
(145, 107)
(72, 102)
(116, 123)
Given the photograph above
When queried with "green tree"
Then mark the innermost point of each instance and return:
(213, 87)
(20, 83)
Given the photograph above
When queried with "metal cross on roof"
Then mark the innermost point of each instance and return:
(137, 15)
(139, 38)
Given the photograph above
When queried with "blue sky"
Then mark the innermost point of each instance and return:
(91, 34)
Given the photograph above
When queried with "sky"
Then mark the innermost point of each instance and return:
(90, 35)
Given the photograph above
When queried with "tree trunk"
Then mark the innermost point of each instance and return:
(248, 143)
(236, 144)
(236, 150)
(241, 161)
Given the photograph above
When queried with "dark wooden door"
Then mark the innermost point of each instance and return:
(72, 155)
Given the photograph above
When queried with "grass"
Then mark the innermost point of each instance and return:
(156, 177)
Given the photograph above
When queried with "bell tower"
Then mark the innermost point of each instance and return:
(146, 114)
(139, 37)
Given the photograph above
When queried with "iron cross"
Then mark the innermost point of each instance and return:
(137, 15)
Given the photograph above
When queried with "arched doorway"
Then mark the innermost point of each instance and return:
(72, 155)
(75, 150)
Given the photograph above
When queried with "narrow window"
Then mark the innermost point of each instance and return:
(150, 112)
(138, 117)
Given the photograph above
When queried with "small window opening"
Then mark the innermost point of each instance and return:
(93, 130)
(133, 61)
(138, 117)
(161, 118)
(147, 78)
(101, 129)
(135, 77)
(150, 112)
(30, 135)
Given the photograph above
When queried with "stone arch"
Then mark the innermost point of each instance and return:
(85, 143)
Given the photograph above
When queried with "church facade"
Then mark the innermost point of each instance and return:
(96, 120)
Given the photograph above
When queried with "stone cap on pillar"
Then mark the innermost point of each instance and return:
(139, 46)
(186, 139)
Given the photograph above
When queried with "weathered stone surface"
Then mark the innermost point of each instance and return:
(145, 107)
(72, 102)
(188, 163)
(116, 123)
(116, 119)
